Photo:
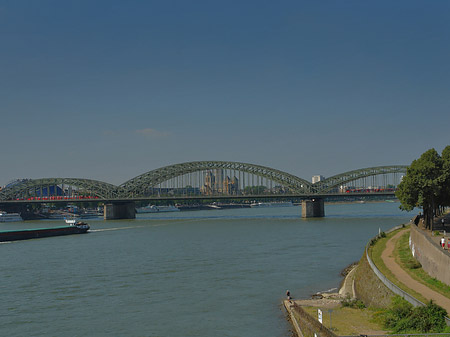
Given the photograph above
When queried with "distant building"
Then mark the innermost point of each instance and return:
(219, 180)
(231, 186)
(316, 179)
(209, 184)
(216, 182)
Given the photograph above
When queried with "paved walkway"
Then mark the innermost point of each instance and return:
(402, 276)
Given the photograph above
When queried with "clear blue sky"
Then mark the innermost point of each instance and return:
(109, 90)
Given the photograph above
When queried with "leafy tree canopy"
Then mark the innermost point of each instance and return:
(426, 183)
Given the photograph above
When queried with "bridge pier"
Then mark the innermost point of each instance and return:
(313, 208)
(116, 211)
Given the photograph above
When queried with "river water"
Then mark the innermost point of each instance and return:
(200, 273)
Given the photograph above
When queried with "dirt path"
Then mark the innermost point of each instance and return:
(388, 258)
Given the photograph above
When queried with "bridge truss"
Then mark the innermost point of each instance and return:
(215, 177)
(207, 178)
(380, 177)
(60, 187)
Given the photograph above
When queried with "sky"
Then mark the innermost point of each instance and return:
(109, 90)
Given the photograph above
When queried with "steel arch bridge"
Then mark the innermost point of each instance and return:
(34, 187)
(347, 177)
(156, 177)
(139, 186)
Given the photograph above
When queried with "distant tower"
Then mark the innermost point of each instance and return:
(219, 180)
(208, 187)
(316, 179)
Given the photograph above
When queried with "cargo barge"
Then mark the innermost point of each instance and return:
(26, 234)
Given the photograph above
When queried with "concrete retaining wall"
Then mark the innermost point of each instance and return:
(308, 324)
(434, 260)
(367, 284)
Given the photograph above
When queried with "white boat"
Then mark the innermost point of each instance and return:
(71, 221)
(157, 209)
(214, 206)
(271, 204)
(10, 217)
(76, 223)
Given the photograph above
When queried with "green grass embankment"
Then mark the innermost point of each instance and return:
(345, 321)
(404, 258)
(375, 252)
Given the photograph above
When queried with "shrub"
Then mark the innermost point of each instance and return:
(373, 241)
(353, 303)
(430, 318)
(413, 264)
(402, 317)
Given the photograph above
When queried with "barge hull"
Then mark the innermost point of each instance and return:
(40, 233)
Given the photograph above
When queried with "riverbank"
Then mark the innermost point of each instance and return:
(387, 252)
(338, 315)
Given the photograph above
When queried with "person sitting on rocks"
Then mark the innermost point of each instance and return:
(288, 295)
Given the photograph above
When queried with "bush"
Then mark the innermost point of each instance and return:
(402, 317)
(353, 303)
(413, 264)
(430, 318)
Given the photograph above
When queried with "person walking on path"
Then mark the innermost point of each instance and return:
(443, 243)
(402, 276)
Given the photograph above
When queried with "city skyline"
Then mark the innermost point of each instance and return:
(108, 90)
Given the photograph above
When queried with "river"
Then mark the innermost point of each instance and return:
(199, 273)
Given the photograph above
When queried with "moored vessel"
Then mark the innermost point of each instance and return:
(9, 217)
(157, 209)
(272, 204)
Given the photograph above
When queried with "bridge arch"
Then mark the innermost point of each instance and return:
(135, 187)
(338, 180)
(36, 187)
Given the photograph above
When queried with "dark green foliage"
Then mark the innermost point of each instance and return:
(430, 318)
(375, 239)
(445, 177)
(413, 264)
(426, 184)
(353, 303)
(254, 190)
(402, 317)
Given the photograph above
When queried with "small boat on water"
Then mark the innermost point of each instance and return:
(271, 204)
(157, 209)
(10, 217)
(25, 234)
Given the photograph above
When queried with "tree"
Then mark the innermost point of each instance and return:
(254, 190)
(445, 177)
(422, 185)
